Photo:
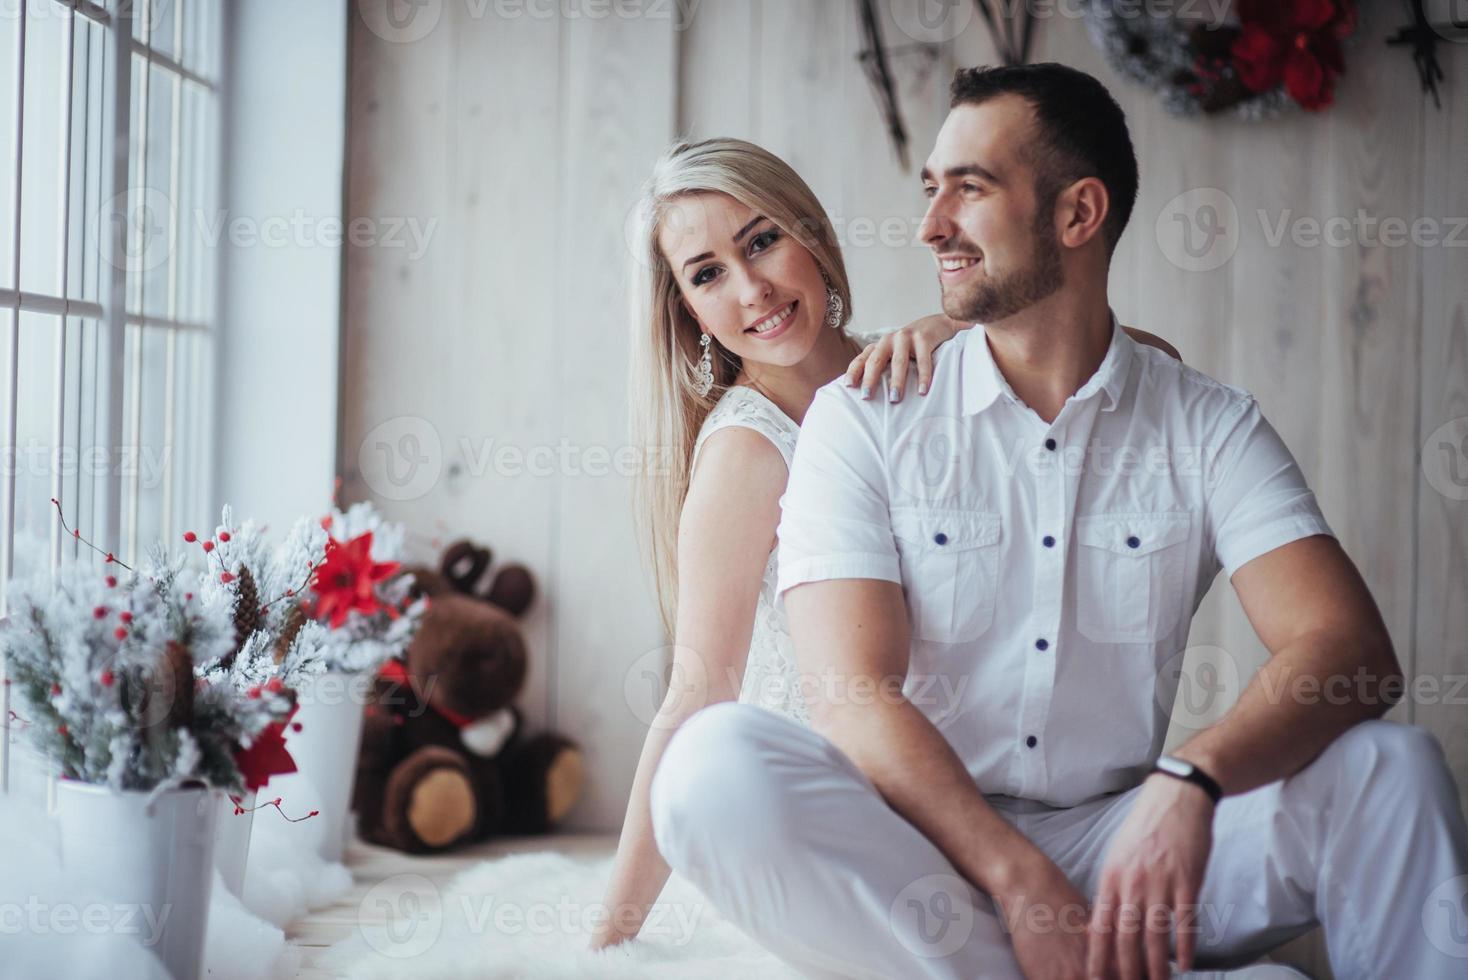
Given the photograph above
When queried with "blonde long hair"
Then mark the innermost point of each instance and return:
(666, 409)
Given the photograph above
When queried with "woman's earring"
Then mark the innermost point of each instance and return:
(703, 375)
(834, 307)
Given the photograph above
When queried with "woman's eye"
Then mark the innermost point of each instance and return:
(704, 275)
(764, 240)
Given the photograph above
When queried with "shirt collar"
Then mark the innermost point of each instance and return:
(983, 382)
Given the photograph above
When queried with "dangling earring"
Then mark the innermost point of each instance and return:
(703, 374)
(834, 307)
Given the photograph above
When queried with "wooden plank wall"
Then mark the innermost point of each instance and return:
(524, 138)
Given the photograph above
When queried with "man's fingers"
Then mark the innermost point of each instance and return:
(1098, 945)
(1157, 927)
(1129, 935)
(1185, 927)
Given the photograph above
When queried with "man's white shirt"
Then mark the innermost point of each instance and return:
(1051, 572)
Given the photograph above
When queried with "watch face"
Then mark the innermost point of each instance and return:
(1175, 766)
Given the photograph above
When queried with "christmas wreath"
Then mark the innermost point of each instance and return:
(1269, 56)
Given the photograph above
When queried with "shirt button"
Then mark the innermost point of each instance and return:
(1031, 741)
(1048, 541)
(1042, 644)
(1050, 444)
(941, 538)
(1133, 542)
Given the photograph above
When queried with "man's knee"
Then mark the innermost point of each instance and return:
(712, 783)
(1393, 757)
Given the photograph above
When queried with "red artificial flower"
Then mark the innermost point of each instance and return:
(267, 756)
(347, 580)
(1294, 44)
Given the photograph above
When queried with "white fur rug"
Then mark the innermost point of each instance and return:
(530, 915)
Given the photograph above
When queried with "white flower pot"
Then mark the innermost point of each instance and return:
(325, 750)
(232, 841)
(155, 860)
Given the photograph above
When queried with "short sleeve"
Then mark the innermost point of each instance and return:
(1259, 500)
(834, 519)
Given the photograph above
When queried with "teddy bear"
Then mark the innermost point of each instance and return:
(444, 758)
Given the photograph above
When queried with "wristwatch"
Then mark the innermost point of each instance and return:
(1182, 769)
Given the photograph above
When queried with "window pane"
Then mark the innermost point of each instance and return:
(200, 228)
(159, 202)
(84, 461)
(163, 22)
(9, 37)
(87, 100)
(201, 23)
(33, 457)
(145, 457)
(42, 147)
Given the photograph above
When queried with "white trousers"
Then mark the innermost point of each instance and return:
(790, 840)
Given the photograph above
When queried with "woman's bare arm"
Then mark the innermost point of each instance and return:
(725, 535)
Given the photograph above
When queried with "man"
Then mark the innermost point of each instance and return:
(989, 588)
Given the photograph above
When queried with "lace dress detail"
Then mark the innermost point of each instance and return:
(769, 673)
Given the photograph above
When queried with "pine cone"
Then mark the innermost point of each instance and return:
(294, 620)
(247, 618)
(179, 665)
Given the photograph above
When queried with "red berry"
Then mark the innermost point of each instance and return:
(190, 537)
(110, 559)
(107, 678)
(55, 689)
(313, 813)
(112, 581)
(125, 616)
(295, 726)
(254, 692)
(223, 535)
(76, 533)
(226, 577)
(208, 546)
(275, 802)
(61, 729)
(274, 685)
(188, 596)
(99, 612)
(120, 633)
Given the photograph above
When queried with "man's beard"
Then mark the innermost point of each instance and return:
(990, 300)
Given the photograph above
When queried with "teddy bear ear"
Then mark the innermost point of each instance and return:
(513, 589)
(464, 563)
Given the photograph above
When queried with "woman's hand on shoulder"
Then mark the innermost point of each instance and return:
(914, 342)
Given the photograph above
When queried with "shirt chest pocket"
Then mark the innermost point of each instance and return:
(950, 567)
(1130, 570)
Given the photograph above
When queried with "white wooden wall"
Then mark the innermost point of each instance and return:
(526, 138)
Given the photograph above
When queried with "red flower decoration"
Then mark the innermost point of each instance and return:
(1294, 44)
(347, 580)
(267, 756)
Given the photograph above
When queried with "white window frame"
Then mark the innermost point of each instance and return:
(114, 311)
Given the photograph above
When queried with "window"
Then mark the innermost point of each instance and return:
(107, 272)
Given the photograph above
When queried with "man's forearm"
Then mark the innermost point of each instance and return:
(1299, 702)
(921, 777)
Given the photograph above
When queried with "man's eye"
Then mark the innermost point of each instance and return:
(972, 188)
(929, 190)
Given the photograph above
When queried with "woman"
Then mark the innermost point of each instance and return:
(739, 306)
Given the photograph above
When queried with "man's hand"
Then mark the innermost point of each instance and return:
(1151, 878)
(1046, 919)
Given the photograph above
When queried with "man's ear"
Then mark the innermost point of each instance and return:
(1080, 211)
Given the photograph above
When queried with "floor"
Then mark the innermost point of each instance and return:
(370, 864)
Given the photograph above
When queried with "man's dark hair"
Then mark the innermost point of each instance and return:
(1082, 132)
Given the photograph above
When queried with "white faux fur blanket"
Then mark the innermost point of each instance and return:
(530, 915)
